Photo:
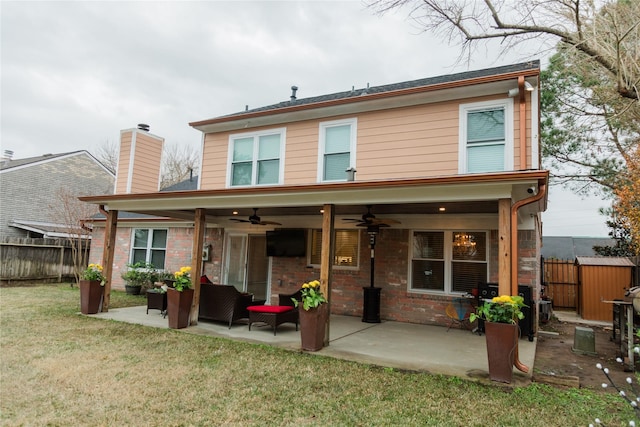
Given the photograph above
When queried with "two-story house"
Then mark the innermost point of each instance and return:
(422, 189)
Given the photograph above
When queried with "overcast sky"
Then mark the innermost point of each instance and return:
(76, 73)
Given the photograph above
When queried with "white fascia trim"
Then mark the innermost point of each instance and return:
(131, 159)
(201, 171)
(54, 158)
(535, 130)
(159, 180)
(507, 104)
(353, 122)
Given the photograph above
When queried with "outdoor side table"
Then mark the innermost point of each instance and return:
(157, 301)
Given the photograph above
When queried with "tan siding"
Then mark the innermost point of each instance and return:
(418, 141)
(214, 163)
(147, 162)
(123, 162)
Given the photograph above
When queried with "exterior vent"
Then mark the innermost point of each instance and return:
(143, 127)
(294, 89)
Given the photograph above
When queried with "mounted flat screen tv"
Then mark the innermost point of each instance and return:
(286, 242)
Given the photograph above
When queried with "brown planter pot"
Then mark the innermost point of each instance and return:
(312, 327)
(179, 307)
(90, 296)
(502, 339)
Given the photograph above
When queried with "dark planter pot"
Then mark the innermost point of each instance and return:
(312, 327)
(91, 293)
(502, 340)
(132, 290)
(179, 307)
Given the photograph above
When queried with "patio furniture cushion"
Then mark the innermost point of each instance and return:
(273, 315)
(270, 308)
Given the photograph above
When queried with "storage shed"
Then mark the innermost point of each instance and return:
(602, 279)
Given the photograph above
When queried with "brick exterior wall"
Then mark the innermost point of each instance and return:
(287, 274)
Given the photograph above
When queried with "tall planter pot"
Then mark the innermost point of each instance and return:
(91, 293)
(502, 340)
(179, 307)
(312, 327)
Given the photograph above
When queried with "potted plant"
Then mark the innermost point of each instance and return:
(139, 275)
(501, 315)
(179, 299)
(91, 289)
(313, 313)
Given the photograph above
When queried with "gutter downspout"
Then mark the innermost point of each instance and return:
(542, 191)
(523, 124)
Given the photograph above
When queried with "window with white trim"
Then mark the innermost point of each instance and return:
(337, 149)
(346, 250)
(486, 137)
(149, 245)
(256, 158)
(448, 261)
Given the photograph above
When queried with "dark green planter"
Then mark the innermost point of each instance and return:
(132, 290)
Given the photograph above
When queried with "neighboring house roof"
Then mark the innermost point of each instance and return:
(605, 261)
(378, 92)
(49, 230)
(565, 247)
(186, 185)
(7, 165)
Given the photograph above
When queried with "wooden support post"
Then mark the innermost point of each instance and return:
(199, 226)
(108, 253)
(326, 259)
(504, 247)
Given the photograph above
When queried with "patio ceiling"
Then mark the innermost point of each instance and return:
(466, 194)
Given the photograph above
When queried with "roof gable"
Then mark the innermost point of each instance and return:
(12, 165)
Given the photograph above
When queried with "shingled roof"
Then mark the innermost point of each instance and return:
(430, 81)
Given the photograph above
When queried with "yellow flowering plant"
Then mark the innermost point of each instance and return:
(502, 309)
(93, 272)
(311, 295)
(183, 279)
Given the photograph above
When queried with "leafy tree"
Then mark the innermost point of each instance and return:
(588, 132)
(620, 233)
(604, 38)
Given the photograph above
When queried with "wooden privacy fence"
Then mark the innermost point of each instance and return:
(24, 260)
(560, 278)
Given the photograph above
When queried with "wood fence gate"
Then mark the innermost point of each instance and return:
(560, 279)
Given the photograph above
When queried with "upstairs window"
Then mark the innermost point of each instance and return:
(337, 149)
(346, 250)
(256, 159)
(149, 245)
(486, 137)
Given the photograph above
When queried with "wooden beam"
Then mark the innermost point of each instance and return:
(108, 252)
(326, 259)
(199, 227)
(504, 246)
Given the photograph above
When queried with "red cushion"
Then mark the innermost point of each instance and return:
(270, 308)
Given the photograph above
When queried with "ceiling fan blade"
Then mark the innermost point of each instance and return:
(379, 221)
(269, 223)
(239, 220)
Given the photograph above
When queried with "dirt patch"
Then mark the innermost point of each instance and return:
(556, 363)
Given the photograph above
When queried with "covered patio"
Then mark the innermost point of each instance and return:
(425, 348)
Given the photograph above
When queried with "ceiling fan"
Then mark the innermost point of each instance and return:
(255, 219)
(370, 220)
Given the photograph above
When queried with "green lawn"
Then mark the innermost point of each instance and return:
(59, 368)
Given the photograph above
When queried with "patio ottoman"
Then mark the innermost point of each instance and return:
(273, 315)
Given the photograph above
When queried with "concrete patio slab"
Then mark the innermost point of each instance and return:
(405, 346)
